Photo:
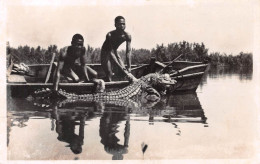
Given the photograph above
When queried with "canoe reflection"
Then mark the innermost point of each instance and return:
(66, 116)
(179, 108)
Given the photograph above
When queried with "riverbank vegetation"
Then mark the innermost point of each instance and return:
(162, 53)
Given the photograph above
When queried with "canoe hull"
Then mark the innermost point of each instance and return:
(188, 78)
(187, 83)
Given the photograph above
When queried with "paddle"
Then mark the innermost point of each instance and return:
(49, 71)
(162, 70)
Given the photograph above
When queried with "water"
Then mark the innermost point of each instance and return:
(218, 121)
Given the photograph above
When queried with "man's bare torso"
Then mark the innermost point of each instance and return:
(114, 39)
(70, 56)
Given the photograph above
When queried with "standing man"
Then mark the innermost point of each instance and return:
(109, 53)
(67, 65)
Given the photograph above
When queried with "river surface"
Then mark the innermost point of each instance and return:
(218, 121)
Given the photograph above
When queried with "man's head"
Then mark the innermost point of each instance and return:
(120, 23)
(77, 41)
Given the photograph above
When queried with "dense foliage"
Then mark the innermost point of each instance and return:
(163, 53)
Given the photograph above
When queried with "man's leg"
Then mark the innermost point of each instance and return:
(71, 74)
(91, 72)
(106, 65)
(77, 69)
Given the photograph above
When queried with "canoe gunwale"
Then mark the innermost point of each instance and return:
(68, 84)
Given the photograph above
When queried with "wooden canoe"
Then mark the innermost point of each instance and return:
(188, 78)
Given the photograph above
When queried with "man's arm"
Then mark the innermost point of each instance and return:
(58, 70)
(128, 52)
(83, 61)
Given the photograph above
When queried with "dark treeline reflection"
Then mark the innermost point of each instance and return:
(66, 115)
(245, 73)
(220, 72)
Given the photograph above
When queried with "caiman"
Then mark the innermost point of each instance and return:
(150, 86)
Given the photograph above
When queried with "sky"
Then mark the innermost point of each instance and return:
(223, 26)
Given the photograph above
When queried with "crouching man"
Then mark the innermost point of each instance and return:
(68, 67)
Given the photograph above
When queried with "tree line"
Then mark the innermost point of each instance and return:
(162, 53)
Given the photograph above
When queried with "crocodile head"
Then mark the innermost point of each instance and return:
(160, 82)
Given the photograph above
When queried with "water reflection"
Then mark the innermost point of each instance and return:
(244, 73)
(66, 115)
(65, 127)
(220, 73)
(179, 108)
(108, 129)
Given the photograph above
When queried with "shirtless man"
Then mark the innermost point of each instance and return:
(67, 65)
(109, 53)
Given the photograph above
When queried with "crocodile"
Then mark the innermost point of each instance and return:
(150, 86)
